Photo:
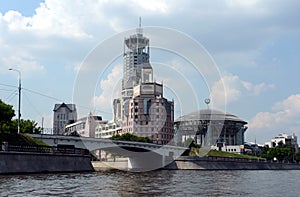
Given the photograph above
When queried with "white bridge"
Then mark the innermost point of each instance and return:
(142, 156)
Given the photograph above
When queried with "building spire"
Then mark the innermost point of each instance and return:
(139, 29)
(140, 22)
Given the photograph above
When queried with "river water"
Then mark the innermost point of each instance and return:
(155, 183)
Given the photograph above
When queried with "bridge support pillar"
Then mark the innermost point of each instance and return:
(145, 161)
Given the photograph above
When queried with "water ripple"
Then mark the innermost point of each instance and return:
(156, 183)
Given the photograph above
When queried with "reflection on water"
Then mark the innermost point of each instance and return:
(156, 183)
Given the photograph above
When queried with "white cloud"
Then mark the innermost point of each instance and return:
(257, 89)
(291, 104)
(27, 66)
(110, 89)
(231, 88)
(156, 6)
(284, 119)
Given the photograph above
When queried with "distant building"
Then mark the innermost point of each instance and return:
(212, 128)
(85, 127)
(285, 139)
(229, 148)
(63, 114)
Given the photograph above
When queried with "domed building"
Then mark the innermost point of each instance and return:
(209, 127)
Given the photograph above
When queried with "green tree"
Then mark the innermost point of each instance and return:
(6, 114)
(280, 154)
(130, 137)
(29, 126)
(264, 152)
(26, 126)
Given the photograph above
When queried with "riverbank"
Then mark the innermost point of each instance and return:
(205, 163)
(223, 163)
(17, 159)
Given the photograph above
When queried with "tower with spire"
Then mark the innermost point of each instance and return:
(136, 54)
(142, 109)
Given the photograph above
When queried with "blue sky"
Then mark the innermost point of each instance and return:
(254, 43)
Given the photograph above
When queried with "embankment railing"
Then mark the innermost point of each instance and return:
(43, 149)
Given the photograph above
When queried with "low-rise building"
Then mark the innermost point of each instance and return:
(230, 148)
(284, 139)
(208, 127)
(63, 114)
(85, 127)
(108, 130)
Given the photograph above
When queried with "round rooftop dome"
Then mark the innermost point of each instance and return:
(210, 114)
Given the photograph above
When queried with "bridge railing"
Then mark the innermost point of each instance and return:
(43, 149)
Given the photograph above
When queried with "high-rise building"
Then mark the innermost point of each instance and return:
(63, 114)
(136, 53)
(142, 109)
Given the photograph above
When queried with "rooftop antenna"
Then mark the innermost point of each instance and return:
(139, 30)
(140, 22)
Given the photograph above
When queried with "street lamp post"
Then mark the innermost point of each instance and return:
(19, 109)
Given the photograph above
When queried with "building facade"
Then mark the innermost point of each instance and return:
(107, 130)
(210, 128)
(63, 114)
(141, 109)
(136, 54)
(148, 114)
(85, 127)
(284, 139)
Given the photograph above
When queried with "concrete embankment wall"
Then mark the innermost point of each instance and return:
(16, 162)
(189, 163)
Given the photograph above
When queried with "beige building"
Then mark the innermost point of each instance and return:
(148, 114)
(108, 130)
(85, 127)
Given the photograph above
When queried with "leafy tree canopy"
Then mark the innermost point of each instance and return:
(130, 137)
(280, 153)
(6, 113)
(7, 125)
